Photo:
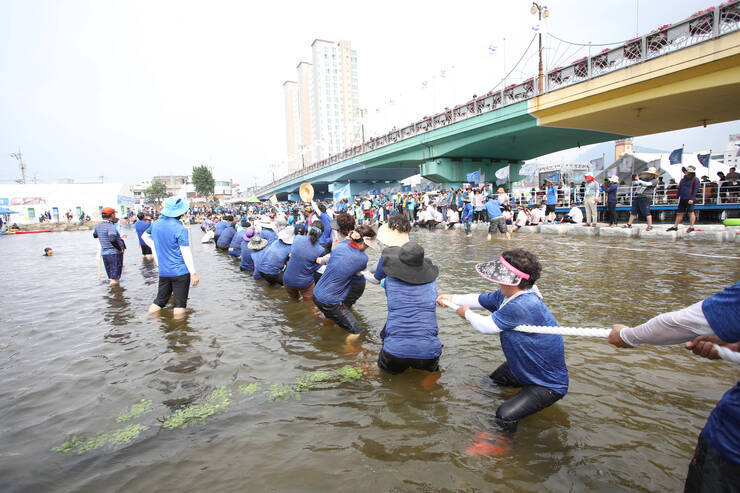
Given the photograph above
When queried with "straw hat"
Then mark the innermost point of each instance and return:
(306, 192)
(391, 237)
(652, 170)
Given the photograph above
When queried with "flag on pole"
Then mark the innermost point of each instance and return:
(473, 177)
(597, 164)
(703, 159)
(676, 156)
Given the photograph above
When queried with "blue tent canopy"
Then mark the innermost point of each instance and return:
(3, 210)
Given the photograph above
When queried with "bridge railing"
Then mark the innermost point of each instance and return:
(699, 27)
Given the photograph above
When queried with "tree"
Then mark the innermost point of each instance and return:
(156, 192)
(203, 181)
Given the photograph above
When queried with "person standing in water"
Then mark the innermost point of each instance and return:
(112, 245)
(175, 260)
(142, 224)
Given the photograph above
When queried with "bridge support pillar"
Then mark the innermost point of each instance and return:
(350, 189)
(294, 197)
(453, 171)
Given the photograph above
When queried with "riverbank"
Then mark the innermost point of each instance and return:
(717, 233)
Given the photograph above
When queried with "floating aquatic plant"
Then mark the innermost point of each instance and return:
(350, 373)
(219, 400)
(114, 438)
(282, 392)
(138, 409)
(250, 389)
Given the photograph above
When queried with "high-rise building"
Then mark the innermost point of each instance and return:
(327, 97)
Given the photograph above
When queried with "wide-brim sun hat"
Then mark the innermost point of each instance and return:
(175, 207)
(257, 243)
(407, 263)
(614, 179)
(286, 236)
(652, 170)
(391, 237)
(500, 271)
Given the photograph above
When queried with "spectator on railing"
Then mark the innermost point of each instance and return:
(687, 190)
(733, 190)
(660, 191)
(672, 191)
(709, 190)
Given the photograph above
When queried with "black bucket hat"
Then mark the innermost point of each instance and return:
(408, 264)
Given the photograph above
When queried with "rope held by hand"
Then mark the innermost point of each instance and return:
(723, 352)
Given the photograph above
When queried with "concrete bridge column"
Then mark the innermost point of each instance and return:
(453, 171)
(357, 187)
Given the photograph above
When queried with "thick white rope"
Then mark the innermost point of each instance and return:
(723, 352)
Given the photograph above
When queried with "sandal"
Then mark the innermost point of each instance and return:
(690, 230)
(649, 228)
(627, 226)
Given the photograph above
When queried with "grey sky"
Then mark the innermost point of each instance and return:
(136, 88)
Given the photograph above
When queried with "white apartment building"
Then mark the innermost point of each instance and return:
(321, 108)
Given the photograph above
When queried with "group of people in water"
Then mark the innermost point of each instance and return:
(321, 258)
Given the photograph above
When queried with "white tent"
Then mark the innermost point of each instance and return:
(32, 200)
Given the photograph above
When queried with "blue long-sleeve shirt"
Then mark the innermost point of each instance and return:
(688, 187)
(110, 241)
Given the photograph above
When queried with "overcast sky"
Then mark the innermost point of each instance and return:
(130, 89)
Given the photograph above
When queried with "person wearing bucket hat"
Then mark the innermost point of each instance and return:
(298, 278)
(643, 196)
(268, 229)
(347, 259)
(534, 362)
(276, 256)
(112, 245)
(246, 263)
(174, 258)
(258, 246)
(687, 190)
(410, 334)
(611, 200)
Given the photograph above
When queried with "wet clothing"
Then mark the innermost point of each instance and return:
(113, 263)
(356, 290)
(534, 359)
(296, 293)
(246, 255)
(302, 262)
(179, 286)
(411, 329)
(257, 256)
(530, 400)
(340, 314)
(274, 259)
(708, 471)
(109, 238)
(235, 246)
(392, 364)
(220, 227)
(345, 262)
(225, 239)
(467, 213)
(169, 235)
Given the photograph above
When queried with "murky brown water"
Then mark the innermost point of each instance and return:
(75, 354)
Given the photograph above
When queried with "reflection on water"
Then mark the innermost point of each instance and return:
(76, 353)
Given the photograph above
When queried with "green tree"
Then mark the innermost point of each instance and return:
(203, 181)
(156, 192)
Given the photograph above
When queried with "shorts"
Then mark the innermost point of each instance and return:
(273, 278)
(179, 286)
(684, 206)
(341, 315)
(710, 472)
(498, 223)
(641, 205)
(393, 364)
(145, 250)
(549, 208)
(296, 293)
(113, 263)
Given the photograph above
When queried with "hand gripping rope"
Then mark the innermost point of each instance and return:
(723, 352)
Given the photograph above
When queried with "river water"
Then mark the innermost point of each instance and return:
(76, 355)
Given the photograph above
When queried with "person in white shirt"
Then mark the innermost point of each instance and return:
(575, 216)
(537, 215)
(453, 217)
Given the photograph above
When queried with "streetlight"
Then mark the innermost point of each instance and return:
(542, 12)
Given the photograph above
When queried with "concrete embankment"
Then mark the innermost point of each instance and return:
(703, 232)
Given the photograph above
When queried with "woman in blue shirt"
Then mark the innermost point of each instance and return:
(467, 217)
(246, 254)
(534, 362)
(347, 259)
(276, 255)
(410, 332)
(258, 245)
(611, 200)
(298, 277)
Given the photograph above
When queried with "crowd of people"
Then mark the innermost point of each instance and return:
(316, 252)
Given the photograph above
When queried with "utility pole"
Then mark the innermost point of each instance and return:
(542, 11)
(21, 164)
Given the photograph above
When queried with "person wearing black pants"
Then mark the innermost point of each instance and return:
(611, 200)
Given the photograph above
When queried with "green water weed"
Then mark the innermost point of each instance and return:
(219, 400)
(250, 389)
(136, 411)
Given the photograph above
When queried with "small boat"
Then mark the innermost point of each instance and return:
(29, 232)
